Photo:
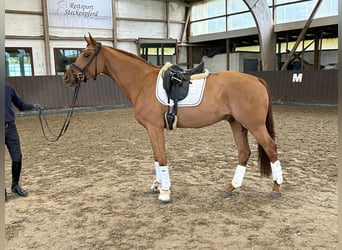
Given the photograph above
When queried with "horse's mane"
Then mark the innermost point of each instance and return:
(132, 56)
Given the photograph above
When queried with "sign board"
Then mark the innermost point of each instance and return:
(80, 13)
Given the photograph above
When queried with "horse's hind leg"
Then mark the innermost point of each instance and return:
(267, 143)
(244, 152)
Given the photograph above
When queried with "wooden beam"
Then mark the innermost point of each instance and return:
(115, 24)
(46, 38)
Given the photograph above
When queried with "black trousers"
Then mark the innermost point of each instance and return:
(12, 142)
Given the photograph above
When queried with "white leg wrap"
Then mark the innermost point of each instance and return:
(156, 167)
(164, 178)
(276, 172)
(238, 176)
(155, 188)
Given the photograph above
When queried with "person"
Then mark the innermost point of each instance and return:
(12, 140)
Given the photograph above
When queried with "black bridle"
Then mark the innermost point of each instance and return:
(82, 75)
(79, 78)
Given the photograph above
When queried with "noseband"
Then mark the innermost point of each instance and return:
(84, 70)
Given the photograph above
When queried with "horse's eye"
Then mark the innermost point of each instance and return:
(86, 55)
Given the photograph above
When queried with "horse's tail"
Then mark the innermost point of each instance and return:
(264, 161)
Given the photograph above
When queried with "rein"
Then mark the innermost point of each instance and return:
(66, 121)
(78, 79)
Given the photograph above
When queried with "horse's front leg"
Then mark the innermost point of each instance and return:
(244, 152)
(162, 182)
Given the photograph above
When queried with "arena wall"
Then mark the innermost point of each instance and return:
(304, 87)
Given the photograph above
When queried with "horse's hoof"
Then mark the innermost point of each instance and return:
(163, 202)
(275, 194)
(226, 194)
(164, 196)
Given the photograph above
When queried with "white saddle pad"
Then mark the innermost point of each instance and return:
(194, 97)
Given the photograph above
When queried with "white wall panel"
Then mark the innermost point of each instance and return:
(177, 11)
(128, 46)
(147, 9)
(23, 25)
(130, 29)
(176, 31)
(182, 55)
(74, 44)
(216, 63)
(78, 32)
(236, 60)
(24, 5)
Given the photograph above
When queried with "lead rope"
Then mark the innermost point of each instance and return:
(66, 122)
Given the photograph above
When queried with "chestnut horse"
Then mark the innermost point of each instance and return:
(241, 99)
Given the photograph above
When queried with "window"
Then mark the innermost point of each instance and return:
(208, 18)
(293, 12)
(301, 10)
(212, 8)
(241, 21)
(327, 8)
(236, 6)
(158, 52)
(63, 59)
(18, 62)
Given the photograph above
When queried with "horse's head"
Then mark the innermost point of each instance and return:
(88, 64)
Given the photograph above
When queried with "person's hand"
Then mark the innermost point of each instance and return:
(37, 106)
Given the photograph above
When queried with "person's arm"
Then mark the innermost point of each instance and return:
(20, 104)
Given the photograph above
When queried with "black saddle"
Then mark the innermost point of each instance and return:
(176, 82)
(197, 70)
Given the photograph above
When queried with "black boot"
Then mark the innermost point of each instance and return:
(15, 188)
(5, 195)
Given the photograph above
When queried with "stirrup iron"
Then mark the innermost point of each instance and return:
(171, 120)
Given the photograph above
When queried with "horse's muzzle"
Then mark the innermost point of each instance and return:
(71, 79)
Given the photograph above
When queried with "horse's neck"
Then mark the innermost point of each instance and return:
(128, 72)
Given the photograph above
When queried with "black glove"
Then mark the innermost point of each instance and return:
(37, 106)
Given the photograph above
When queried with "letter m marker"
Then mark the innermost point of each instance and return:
(297, 77)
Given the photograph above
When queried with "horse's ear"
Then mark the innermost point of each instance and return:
(87, 40)
(92, 40)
